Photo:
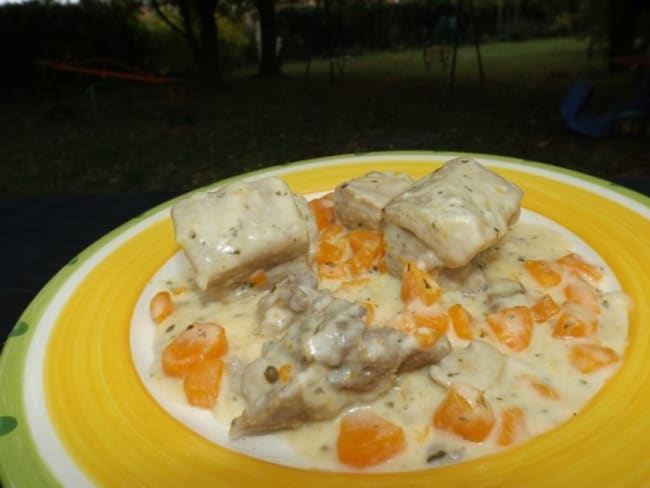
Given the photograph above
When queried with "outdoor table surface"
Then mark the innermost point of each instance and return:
(41, 234)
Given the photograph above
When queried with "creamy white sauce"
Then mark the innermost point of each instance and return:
(413, 400)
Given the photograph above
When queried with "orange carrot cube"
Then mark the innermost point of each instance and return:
(580, 267)
(544, 309)
(543, 272)
(161, 306)
(461, 321)
(465, 412)
(587, 358)
(512, 326)
(366, 439)
(201, 385)
(195, 344)
(512, 427)
(418, 284)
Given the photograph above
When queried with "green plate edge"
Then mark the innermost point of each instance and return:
(17, 445)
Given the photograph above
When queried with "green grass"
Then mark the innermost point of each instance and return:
(384, 101)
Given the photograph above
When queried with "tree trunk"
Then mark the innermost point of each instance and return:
(269, 65)
(209, 53)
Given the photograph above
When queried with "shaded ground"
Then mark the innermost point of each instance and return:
(140, 140)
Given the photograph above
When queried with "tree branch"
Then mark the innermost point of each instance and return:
(178, 30)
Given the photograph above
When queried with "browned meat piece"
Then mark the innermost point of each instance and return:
(326, 360)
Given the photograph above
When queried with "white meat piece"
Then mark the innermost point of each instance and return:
(242, 227)
(359, 202)
(455, 212)
(335, 361)
(478, 363)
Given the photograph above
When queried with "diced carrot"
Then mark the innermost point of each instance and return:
(587, 358)
(202, 384)
(543, 272)
(336, 271)
(370, 312)
(427, 336)
(580, 267)
(435, 322)
(545, 390)
(512, 426)
(465, 412)
(575, 321)
(285, 373)
(258, 278)
(161, 306)
(369, 239)
(418, 284)
(330, 252)
(332, 232)
(362, 261)
(193, 345)
(544, 309)
(512, 326)
(584, 294)
(323, 210)
(366, 439)
(461, 321)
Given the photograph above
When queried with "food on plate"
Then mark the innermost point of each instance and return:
(230, 234)
(449, 216)
(388, 325)
(360, 202)
(335, 361)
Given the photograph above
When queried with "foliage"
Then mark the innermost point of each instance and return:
(169, 52)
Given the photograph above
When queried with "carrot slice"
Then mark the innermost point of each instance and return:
(461, 321)
(335, 271)
(580, 267)
(201, 385)
(543, 272)
(439, 323)
(587, 358)
(330, 252)
(368, 239)
(366, 439)
(285, 372)
(427, 336)
(418, 284)
(258, 278)
(323, 210)
(575, 321)
(194, 344)
(362, 261)
(332, 232)
(512, 426)
(584, 294)
(465, 412)
(370, 312)
(161, 306)
(545, 390)
(544, 309)
(512, 326)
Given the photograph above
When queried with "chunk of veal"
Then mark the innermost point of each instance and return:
(241, 228)
(359, 203)
(449, 216)
(325, 360)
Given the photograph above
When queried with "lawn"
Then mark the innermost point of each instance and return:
(141, 140)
